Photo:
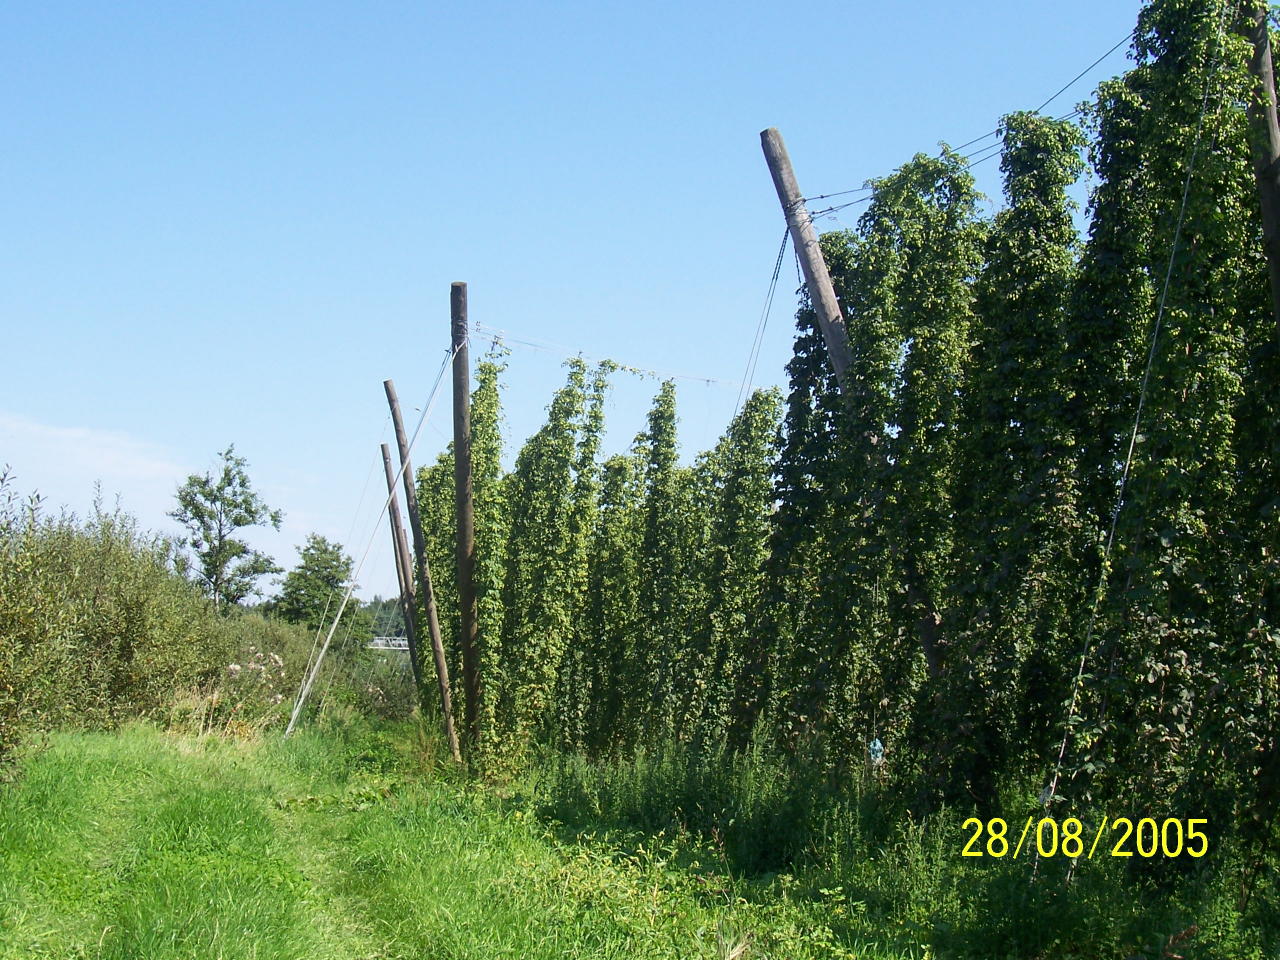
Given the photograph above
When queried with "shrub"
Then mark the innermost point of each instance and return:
(95, 624)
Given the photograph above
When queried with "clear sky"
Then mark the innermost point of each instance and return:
(229, 222)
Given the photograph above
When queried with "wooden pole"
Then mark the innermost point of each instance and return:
(1266, 143)
(831, 322)
(404, 573)
(464, 507)
(424, 571)
(805, 241)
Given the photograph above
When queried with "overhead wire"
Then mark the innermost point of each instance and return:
(972, 160)
(970, 143)
(994, 151)
(754, 356)
(991, 133)
(839, 193)
(1079, 76)
(505, 337)
(832, 211)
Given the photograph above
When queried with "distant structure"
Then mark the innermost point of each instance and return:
(389, 643)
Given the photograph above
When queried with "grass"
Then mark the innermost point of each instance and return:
(892, 883)
(357, 842)
(143, 844)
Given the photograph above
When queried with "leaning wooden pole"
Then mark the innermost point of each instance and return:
(404, 570)
(805, 241)
(1266, 142)
(464, 506)
(424, 571)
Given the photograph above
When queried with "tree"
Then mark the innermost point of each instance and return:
(213, 508)
(385, 616)
(673, 534)
(313, 589)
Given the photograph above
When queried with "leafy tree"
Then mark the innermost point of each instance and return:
(671, 588)
(1178, 705)
(574, 690)
(866, 479)
(437, 509)
(312, 590)
(784, 673)
(489, 487)
(386, 617)
(214, 507)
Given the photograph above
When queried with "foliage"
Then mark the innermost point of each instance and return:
(1015, 590)
(871, 870)
(489, 493)
(1185, 630)
(542, 581)
(253, 689)
(385, 616)
(435, 490)
(332, 844)
(95, 625)
(313, 590)
(1032, 543)
(1029, 552)
(722, 628)
(212, 509)
(612, 639)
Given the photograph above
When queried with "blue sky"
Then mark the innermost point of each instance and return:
(229, 222)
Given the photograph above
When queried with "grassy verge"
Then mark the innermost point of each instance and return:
(144, 844)
(790, 833)
(353, 842)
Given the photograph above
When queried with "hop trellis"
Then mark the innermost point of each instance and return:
(914, 563)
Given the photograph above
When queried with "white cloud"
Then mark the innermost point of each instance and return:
(63, 463)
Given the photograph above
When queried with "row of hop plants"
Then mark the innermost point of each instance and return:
(612, 594)
(915, 565)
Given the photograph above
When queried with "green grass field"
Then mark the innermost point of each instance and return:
(143, 845)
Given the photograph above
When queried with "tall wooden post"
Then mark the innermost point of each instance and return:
(466, 546)
(404, 571)
(805, 241)
(424, 571)
(1266, 143)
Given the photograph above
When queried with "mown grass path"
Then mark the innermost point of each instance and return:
(140, 845)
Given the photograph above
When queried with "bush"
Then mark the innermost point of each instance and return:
(98, 626)
(841, 841)
(255, 687)
(95, 624)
